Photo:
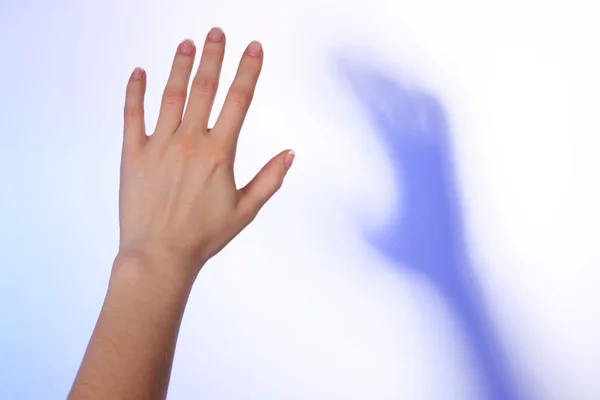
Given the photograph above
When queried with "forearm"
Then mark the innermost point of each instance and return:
(131, 350)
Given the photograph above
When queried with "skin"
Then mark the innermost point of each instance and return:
(178, 207)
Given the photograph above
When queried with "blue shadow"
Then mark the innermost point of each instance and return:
(425, 234)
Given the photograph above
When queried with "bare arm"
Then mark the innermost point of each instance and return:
(179, 206)
(131, 351)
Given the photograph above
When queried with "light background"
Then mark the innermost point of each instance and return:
(298, 306)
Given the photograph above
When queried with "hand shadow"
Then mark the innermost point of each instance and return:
(425, 234)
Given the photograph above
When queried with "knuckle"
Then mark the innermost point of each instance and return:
(275, 186)
(241, 96)
(187, 146)
(248, 214)
(205, 85)
(133, 111)
(174, 96)
(278, 184)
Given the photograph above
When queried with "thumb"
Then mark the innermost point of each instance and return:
(265, 184)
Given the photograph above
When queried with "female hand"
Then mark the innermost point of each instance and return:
(178, 198)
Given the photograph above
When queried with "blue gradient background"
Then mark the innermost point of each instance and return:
(436, 238)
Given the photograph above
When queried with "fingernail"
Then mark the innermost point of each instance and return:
(137, 73)
(215, 34)
(254, 49)
(187, 47)
(289, 159)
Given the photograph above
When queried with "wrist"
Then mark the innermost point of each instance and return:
(160, 271)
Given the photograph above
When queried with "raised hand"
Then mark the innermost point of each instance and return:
(179, 205)
(178, 198)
